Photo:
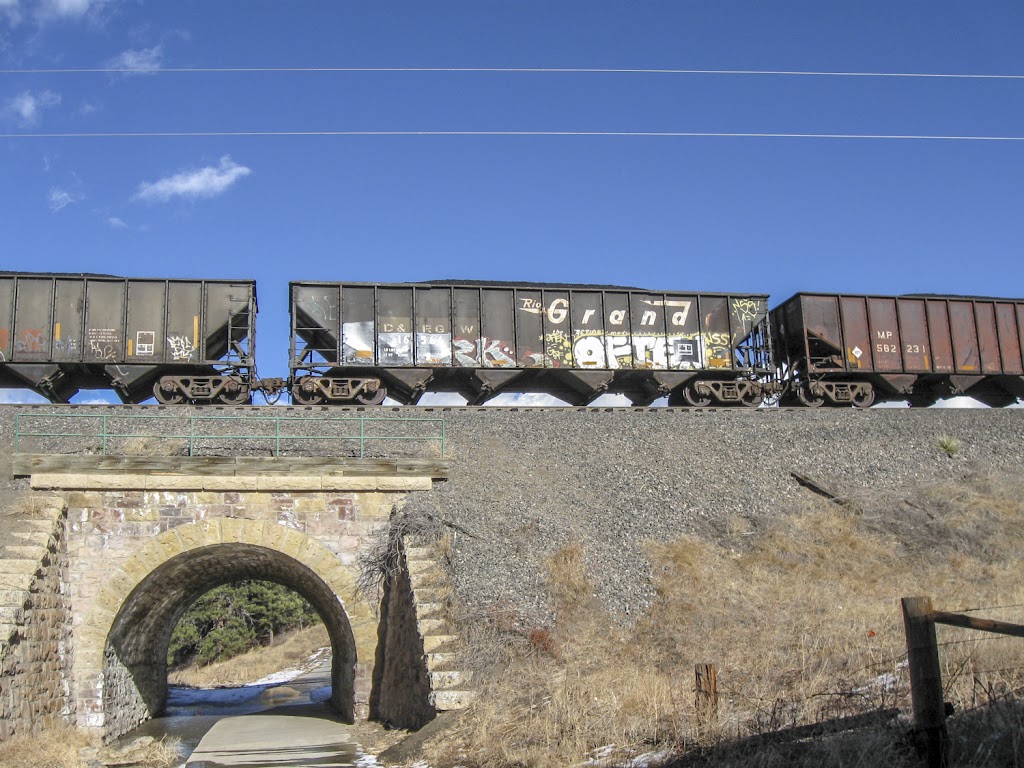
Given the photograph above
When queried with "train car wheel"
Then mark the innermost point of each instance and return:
(805, 396)
(752, 398)
(372, 398)
(239, 397)
(864, 398)
(694, 398)
(302, 397)
(167, 392)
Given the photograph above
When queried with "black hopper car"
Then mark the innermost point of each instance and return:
(193, 341)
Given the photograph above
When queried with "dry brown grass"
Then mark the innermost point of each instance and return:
(55, 746)
(801, 615)
(288, 652)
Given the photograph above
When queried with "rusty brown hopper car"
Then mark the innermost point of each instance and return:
(837, 349)
(356, 341)
(180, 340)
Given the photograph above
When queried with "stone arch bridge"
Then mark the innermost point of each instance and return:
(133, 549)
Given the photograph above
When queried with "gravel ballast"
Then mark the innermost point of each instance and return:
(525, 482)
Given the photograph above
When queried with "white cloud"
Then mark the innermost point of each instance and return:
(144, 60)
(10, 10)
(116, 223)
(61, 198)
(201, 182)
(27, 107)
(19, 396)
(50, 10)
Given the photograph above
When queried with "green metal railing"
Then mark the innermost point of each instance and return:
(434, 428)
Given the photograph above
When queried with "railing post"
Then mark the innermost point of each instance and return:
(103, 452)
(191, 434)
(926, 682)
(362, 437)
(17, 433)
(277, 436)
(442, 438)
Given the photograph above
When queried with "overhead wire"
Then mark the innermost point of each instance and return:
(612, 134)
(512, 70)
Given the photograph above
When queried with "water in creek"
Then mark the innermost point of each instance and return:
(191, 712)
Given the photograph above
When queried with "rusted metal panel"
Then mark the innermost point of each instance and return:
(617, 330)
(856, 334)
(964, 331)
(104, 322)
(433, 311)
(824, 339)
(1009, 339)
(394, 327)
(988, 337)
(557, 330)
(184, 310)
(684, 344)
(316, 318)
(885, 334)
(913, 321)
(68, 317)
(588, 333)
(647, 315)
(939, 336)
(497, 341)
(147, 308)
(33, 314)
(715, 331)
(1020, 325)
(358, 329)
(530, 329)
(6, 317)
(467, 326)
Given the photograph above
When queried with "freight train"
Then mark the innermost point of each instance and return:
(193, 341)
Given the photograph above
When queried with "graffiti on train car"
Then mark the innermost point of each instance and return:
(31, 341)
(104, 343)
(181, 347)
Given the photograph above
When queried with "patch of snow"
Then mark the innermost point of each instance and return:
(284, 676)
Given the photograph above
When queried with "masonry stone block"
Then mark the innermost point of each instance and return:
(116, 481)
(173, 482)
(230, 483)
(404, 483)
(345, 483)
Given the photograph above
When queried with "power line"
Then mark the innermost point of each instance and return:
(510, 70)
(614, 134)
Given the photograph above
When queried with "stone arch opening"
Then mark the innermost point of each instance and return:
(135, 653)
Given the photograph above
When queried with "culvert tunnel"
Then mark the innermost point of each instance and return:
(135, 655)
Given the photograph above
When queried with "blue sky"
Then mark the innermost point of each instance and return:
(772, 215)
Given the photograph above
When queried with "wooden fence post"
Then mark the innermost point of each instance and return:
(926, 681)
(706, 695)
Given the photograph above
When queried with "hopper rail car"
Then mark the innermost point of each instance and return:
(194, 341)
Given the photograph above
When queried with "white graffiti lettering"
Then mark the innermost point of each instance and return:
(746, 309)
(490, 353)
(181, 347)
